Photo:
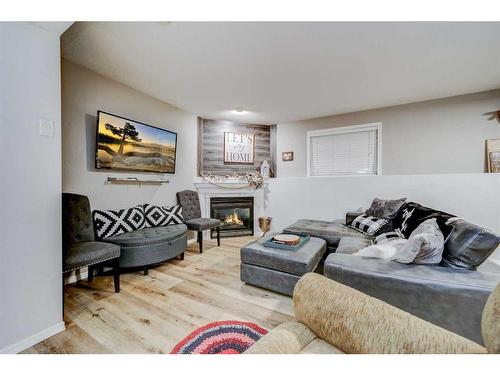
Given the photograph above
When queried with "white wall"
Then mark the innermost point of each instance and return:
(432, 137)
(83, 93)
(30, 188)
(471, 196)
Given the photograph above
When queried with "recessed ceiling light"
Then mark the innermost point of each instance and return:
(239, 110)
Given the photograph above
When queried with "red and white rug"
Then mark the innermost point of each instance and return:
(226, 337)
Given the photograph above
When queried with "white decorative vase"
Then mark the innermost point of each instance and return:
(264, 169)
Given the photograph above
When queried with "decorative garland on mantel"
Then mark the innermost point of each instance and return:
(252, 179)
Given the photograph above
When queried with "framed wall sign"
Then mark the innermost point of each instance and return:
(493, 155)
(287, 156)
(239, 148)
(494, 162)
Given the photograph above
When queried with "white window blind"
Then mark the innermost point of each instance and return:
(344, 151)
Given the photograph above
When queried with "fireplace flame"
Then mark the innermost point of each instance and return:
(233, 219)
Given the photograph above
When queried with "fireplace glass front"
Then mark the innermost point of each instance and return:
(235, 214)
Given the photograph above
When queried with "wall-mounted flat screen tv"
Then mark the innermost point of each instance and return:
(127, 145)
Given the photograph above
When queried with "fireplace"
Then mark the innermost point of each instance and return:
(235, 214)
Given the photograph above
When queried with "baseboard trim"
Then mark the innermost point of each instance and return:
(34, 339)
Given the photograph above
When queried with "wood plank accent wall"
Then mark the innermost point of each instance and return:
(211, 146)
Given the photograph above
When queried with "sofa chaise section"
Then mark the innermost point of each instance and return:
(450, 298)
(331, 231)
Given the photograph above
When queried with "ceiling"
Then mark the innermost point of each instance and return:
(56, 27)
(285, 71)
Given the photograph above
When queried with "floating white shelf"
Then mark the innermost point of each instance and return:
(134, 181)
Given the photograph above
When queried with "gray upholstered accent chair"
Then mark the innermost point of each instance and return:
(79, 247)
(191, 211)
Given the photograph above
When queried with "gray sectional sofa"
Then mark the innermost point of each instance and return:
(448, 295)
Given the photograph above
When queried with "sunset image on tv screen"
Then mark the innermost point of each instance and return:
(127, 145)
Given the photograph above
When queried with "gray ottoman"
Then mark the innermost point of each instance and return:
(279, 270)
(149, 246)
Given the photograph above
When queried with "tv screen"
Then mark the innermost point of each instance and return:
(127, 145)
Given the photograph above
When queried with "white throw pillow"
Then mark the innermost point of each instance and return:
(424, 246)
(386, 250)
(387, 236)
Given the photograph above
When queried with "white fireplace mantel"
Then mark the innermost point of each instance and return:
(230, 188)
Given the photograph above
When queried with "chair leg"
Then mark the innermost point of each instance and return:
(181, 256)
(116, 275)
(218, 236)
(90, 274)
(200, 241)
(145, 270)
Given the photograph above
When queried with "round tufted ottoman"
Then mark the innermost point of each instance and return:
(149, 246)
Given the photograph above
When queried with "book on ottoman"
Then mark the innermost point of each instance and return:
(286, 241)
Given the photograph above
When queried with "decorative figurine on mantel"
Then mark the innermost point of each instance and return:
(264, 169)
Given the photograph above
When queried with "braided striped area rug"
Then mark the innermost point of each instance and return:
(226, 337)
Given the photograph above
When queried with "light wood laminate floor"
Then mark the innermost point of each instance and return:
(152, 313)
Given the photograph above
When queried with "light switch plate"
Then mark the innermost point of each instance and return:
(46, 128)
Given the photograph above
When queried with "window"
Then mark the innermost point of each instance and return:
(350, 150)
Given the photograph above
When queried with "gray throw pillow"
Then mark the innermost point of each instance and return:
(424, 246)
(385, 208)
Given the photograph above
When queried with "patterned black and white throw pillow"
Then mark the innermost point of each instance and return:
(388, 236)
(368, 224)
(411, 215)
(174, 215)
(113, 222)
(157, 216)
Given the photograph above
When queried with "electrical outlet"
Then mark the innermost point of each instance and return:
(46, 128)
